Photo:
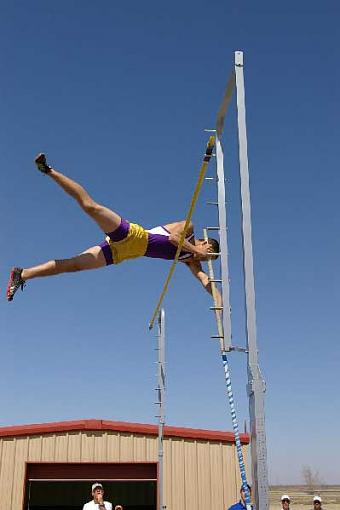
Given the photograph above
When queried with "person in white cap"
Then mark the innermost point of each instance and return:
(98, 502)
(317, 503)
(285, 502)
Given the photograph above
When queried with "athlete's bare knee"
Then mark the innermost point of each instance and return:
(91, 207)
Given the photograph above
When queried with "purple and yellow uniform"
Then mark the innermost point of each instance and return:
(130, 241)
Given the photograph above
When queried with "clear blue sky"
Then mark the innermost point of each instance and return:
(118, 95)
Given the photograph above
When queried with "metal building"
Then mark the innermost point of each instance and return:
(51, 466)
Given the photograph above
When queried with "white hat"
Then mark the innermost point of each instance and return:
(285, 496)
(95, 485)
(317, 498)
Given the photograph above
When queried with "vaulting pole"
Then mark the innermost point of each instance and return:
(200, 181)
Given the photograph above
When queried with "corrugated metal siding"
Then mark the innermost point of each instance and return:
(198, 474)
(21, 454)
(74, 447)
(190, 474)
(7, 469)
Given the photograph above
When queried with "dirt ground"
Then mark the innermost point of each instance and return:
(302, 499)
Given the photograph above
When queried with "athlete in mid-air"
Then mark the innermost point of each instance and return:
(124, 240)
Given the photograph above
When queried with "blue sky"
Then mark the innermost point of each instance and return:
(118, 95)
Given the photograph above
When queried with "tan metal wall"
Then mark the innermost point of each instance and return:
(198, 474)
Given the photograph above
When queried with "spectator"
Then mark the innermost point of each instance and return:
(98, 502)
(285, 502)
(241, 505)
(118, 507)
(317, 503)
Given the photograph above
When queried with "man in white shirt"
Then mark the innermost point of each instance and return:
(285, 502)
(98, 502)
(317, 503)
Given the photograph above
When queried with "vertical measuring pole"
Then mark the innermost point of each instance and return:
(256, 385)
(222, 218)
(161, 403)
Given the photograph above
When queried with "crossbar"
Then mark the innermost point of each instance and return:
(224, 105)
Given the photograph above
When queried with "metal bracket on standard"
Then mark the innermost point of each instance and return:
(256, 384)
(238, 349)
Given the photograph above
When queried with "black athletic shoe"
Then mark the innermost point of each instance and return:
(15, 281)
(41, 163)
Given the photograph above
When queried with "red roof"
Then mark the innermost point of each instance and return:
(120, 426)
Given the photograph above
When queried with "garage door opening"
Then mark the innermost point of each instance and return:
(60, 486)
(71, 495)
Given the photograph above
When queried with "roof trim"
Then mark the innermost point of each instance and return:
(119, 426)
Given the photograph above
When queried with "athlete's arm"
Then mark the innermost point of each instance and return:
(196, 269)
(178, 228)
(175, 238)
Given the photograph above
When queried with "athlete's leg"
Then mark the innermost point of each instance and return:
(91, 258)
(106, 219)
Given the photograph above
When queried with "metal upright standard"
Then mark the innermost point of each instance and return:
(161, 403)
(256, 386)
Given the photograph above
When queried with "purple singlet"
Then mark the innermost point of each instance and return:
(160, 247)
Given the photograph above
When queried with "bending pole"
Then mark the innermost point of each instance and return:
(206, 159)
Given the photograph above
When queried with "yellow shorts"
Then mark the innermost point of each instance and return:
(132, 246)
